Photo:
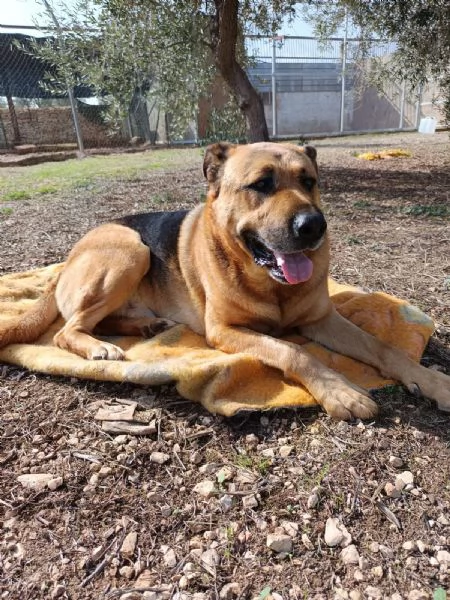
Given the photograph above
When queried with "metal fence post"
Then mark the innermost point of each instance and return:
(274, 88)
(402, 105)
(344, 68)
(70, 94)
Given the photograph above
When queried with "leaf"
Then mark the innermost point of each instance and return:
(265, 592)
(439, 594)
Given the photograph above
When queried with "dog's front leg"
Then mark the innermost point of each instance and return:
(337, 333)
(333, 392)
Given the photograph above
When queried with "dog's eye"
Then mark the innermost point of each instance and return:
(308, 183)
(265, 185)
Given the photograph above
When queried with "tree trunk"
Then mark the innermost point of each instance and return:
(224, 39)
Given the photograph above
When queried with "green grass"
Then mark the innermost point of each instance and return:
(361, 204)
(19, 183)
(426, 211)
(16, 195)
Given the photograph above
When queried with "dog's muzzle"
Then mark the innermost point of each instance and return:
(286, 260)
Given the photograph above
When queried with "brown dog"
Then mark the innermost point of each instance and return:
(246, 267)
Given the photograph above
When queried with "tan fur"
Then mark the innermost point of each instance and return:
(216, 288)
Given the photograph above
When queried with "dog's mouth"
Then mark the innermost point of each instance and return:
(289, 267)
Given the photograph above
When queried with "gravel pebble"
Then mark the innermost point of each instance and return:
(279, 542)
(350, 555)
(205, 488)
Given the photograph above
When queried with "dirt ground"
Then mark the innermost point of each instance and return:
(126, 517)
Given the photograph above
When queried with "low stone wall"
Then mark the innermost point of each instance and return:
(54, 125)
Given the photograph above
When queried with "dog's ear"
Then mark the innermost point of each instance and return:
(215, 157)
(311, 153)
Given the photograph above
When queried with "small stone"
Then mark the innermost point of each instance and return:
(421, 546)
(58, 591)
(392, 491)
(145, 579)
(18, 551)
(442, 520)
(333, 534)
(355, 595)
(159, 458)
(409, 545)
(290, 528)
(225, 474)
(386, 551)
(373, 593)
(131, 596)
(127, 572)
(226, 502)
(358, 575)
(276, 596)
(268, 453)
(350, 555)
(147, 595)
(205, 488)
(55, 483)
(129, 545)
(279, 542)
(104, 471)
(406, 476)
(442, 556)
(285, 451)
(210, 559)
(183, 583)
(249, 501)
(229, 591)
(377, 571)
(374, 547)
(396, 462)
(313, 500)
(170, 558)
(208, 469)
(396, 596)
(35, 481)
(418, 595)
(251, 440)
(307, 542)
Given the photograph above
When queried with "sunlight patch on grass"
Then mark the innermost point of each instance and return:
(52, 177)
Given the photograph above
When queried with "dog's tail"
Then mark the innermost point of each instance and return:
(34, 322)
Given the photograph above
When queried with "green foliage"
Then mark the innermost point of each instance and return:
(158, 50)
(439, 594)
(421, 29)
(226, 123)
(420, 210)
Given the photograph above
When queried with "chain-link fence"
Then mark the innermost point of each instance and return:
(307, 87)
(310, 87)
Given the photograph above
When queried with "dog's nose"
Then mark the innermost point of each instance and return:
(309, 227)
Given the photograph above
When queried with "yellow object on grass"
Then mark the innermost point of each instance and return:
(222, 383)
(394, 153)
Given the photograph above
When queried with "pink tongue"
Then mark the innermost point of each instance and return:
(296, 267)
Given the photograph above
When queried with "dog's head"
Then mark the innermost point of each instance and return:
(266, 197)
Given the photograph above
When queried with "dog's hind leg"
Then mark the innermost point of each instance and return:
(102, 272)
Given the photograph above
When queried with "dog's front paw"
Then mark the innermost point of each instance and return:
(433, 385)
(345, 403)
(106, 351)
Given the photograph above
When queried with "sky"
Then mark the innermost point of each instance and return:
(23, 12)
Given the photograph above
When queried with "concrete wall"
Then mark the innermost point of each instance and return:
(305, 112)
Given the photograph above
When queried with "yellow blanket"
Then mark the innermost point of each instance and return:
(223, 383)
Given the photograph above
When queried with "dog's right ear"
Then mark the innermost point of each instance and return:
(215, 157)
